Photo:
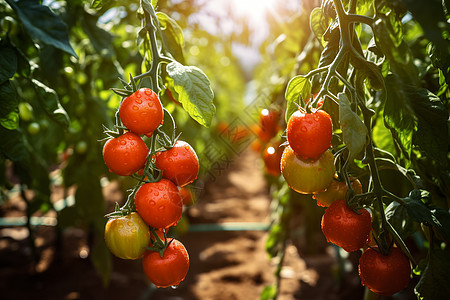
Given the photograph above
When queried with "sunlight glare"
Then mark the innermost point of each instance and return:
(254, 9)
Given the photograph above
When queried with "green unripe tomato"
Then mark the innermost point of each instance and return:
(127, 237)
(81, 147)
(25, 111)
(33, 128)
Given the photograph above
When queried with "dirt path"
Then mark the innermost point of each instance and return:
(229, 264)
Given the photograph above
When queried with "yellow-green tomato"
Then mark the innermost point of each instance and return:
(308, 175)
(33, 128)
(26, 111)
(127, 237)
(337, 190)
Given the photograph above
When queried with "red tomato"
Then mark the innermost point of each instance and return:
(126, 154)
(178, 164)
(337, 190)
(168, 270)
(384, 274)
(141, 112)
(309, 134)
(268, 120)
(272, 158)
(346, 228)
(127, 237)
(307, 176)
(159, 203)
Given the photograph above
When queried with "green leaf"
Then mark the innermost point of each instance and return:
(194, 91)
(433, 215)
(432, 129)
(382, 137)
(332, 47)
(169, 24)
(97, 4)
(50, 102)
(172, 35)
(431, 15)
(291, 108)
(42, 24)
(9, 106)
(269, 292)
(8, 62)
(298, 86)
(354, 132)
(368, 70)
(100, 38)
(11, 121)
(274, 239)
(434, 281)
(318, 23)
(13, 146)
(397, 215)
(398, 115)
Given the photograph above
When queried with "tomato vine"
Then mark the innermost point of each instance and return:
(360, 62)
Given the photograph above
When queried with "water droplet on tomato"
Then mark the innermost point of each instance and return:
(174, 153)
(139, 101)
(161, 208)
(135, 107)
(138, 95)
(152, 202)
(129, 223)
(165, 196)
(337, 217)
(156, 193)
(122, 142)
(120, 225)
(148, 92)
(150, 104)
(304, 129)
(170, 159)
(133, 230)
(316, 118)
(349, 215)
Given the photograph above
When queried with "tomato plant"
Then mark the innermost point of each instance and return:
(309, 134)
(127, 237)
(141, 112)
(307, 176)
(178, 164)
(346, 228)
(168, 269)
(126, 154)
(387, 96)
(384, 274)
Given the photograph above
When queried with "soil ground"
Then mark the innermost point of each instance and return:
(224, 264)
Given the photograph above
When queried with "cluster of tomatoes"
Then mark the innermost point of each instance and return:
(267, 142)
(308, 167)
(141, 232)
